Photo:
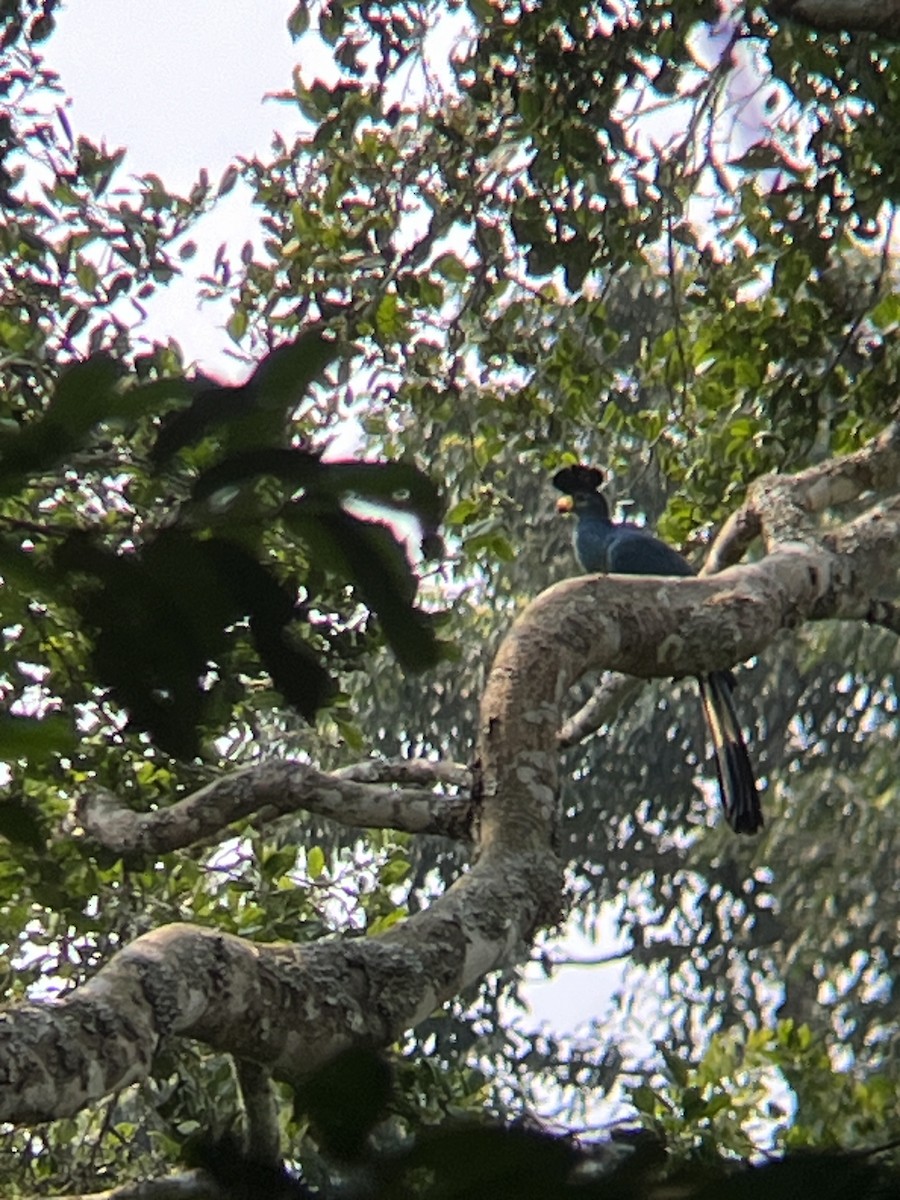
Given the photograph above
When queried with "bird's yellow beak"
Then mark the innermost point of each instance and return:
(565, 504)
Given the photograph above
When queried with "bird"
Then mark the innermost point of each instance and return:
(623, 548)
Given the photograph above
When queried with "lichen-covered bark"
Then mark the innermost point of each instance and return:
(357, 796)
(859, 16)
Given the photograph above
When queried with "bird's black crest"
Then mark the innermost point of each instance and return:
(577, 479)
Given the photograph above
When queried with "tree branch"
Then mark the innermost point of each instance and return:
(292, 1007)
(838, 16)
(781, 508)
(278, 787)
(885, 614)
(604, 705)
(262, 1137)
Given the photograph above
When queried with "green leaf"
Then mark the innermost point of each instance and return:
(644, 1099)
(394, 871)
(351, 734)
(678, 1068)
(86, 274)
(464, 511)
(886, 313)
(298, 21)
(35, 738)
(236, 325)
(315, 862)
(388, 323)
(451, 268)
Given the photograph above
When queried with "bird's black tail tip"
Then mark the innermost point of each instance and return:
(743, 810)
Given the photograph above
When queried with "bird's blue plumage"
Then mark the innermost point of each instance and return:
(620, 548)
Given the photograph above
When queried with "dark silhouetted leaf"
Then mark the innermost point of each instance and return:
(158, 619)
(345, 1099)
(807, 1175)
(238, 1176)
(368, 554)
(85, 394)
(211, 407)
(483, 1163)
(296, 672)
(283, 377)
(299, 467)
(31, 577)
(20, 824)
(399, 486)
(148, 646)
(254, 413)
(294, 666)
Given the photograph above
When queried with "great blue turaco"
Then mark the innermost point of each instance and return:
(622, 548)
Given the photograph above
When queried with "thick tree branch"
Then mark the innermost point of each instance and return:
(843, 16)
(782, 508)
(278, 787)
(292, 1007)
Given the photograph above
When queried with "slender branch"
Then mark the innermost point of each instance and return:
(885, 614)
(605, 703)
(594, 960)
(419, 772)
(262, 1137)
(274, 788)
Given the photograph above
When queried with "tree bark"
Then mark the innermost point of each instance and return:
(850, 16)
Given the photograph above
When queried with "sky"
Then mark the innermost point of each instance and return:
(182, 85)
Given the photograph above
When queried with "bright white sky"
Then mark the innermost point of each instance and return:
(181, 84)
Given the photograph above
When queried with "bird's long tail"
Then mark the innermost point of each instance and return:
(737, 784)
